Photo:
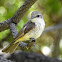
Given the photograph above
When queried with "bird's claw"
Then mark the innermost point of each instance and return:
(22, 44)
(32, 40)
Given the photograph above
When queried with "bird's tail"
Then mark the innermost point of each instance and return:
(11, 47)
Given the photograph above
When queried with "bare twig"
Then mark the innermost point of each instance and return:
(55, 27)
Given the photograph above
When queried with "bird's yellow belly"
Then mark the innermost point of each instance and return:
(23, 38)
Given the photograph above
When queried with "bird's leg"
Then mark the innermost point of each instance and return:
(31, 42)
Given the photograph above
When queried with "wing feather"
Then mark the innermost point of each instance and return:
(25, 29)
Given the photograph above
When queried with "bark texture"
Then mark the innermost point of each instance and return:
(31, 57)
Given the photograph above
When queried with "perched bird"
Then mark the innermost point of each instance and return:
(32, 29)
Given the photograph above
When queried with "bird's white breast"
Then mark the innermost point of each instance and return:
(39, 27)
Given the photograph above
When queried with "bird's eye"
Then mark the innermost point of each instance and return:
(37, 15)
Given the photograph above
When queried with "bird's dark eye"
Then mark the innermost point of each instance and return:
(37, 15)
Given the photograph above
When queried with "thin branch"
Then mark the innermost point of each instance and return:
(55, 27)
(13, 29)
(18, 15)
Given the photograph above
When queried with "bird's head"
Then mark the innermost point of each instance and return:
(36, 14)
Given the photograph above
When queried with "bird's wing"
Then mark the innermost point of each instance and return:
(25, 29)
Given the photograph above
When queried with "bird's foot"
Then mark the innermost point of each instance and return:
(23, 45)
(32, 40)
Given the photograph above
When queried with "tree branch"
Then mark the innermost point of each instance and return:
(2, 59)
(19, 56)
(18, 15)
(13, 29)
(55, 27)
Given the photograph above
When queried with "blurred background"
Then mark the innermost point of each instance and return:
(50, 42)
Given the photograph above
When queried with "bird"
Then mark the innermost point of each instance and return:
(31, 30)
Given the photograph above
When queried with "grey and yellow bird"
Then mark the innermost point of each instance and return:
(32, 29)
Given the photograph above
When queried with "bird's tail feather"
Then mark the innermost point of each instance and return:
(11, 47)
